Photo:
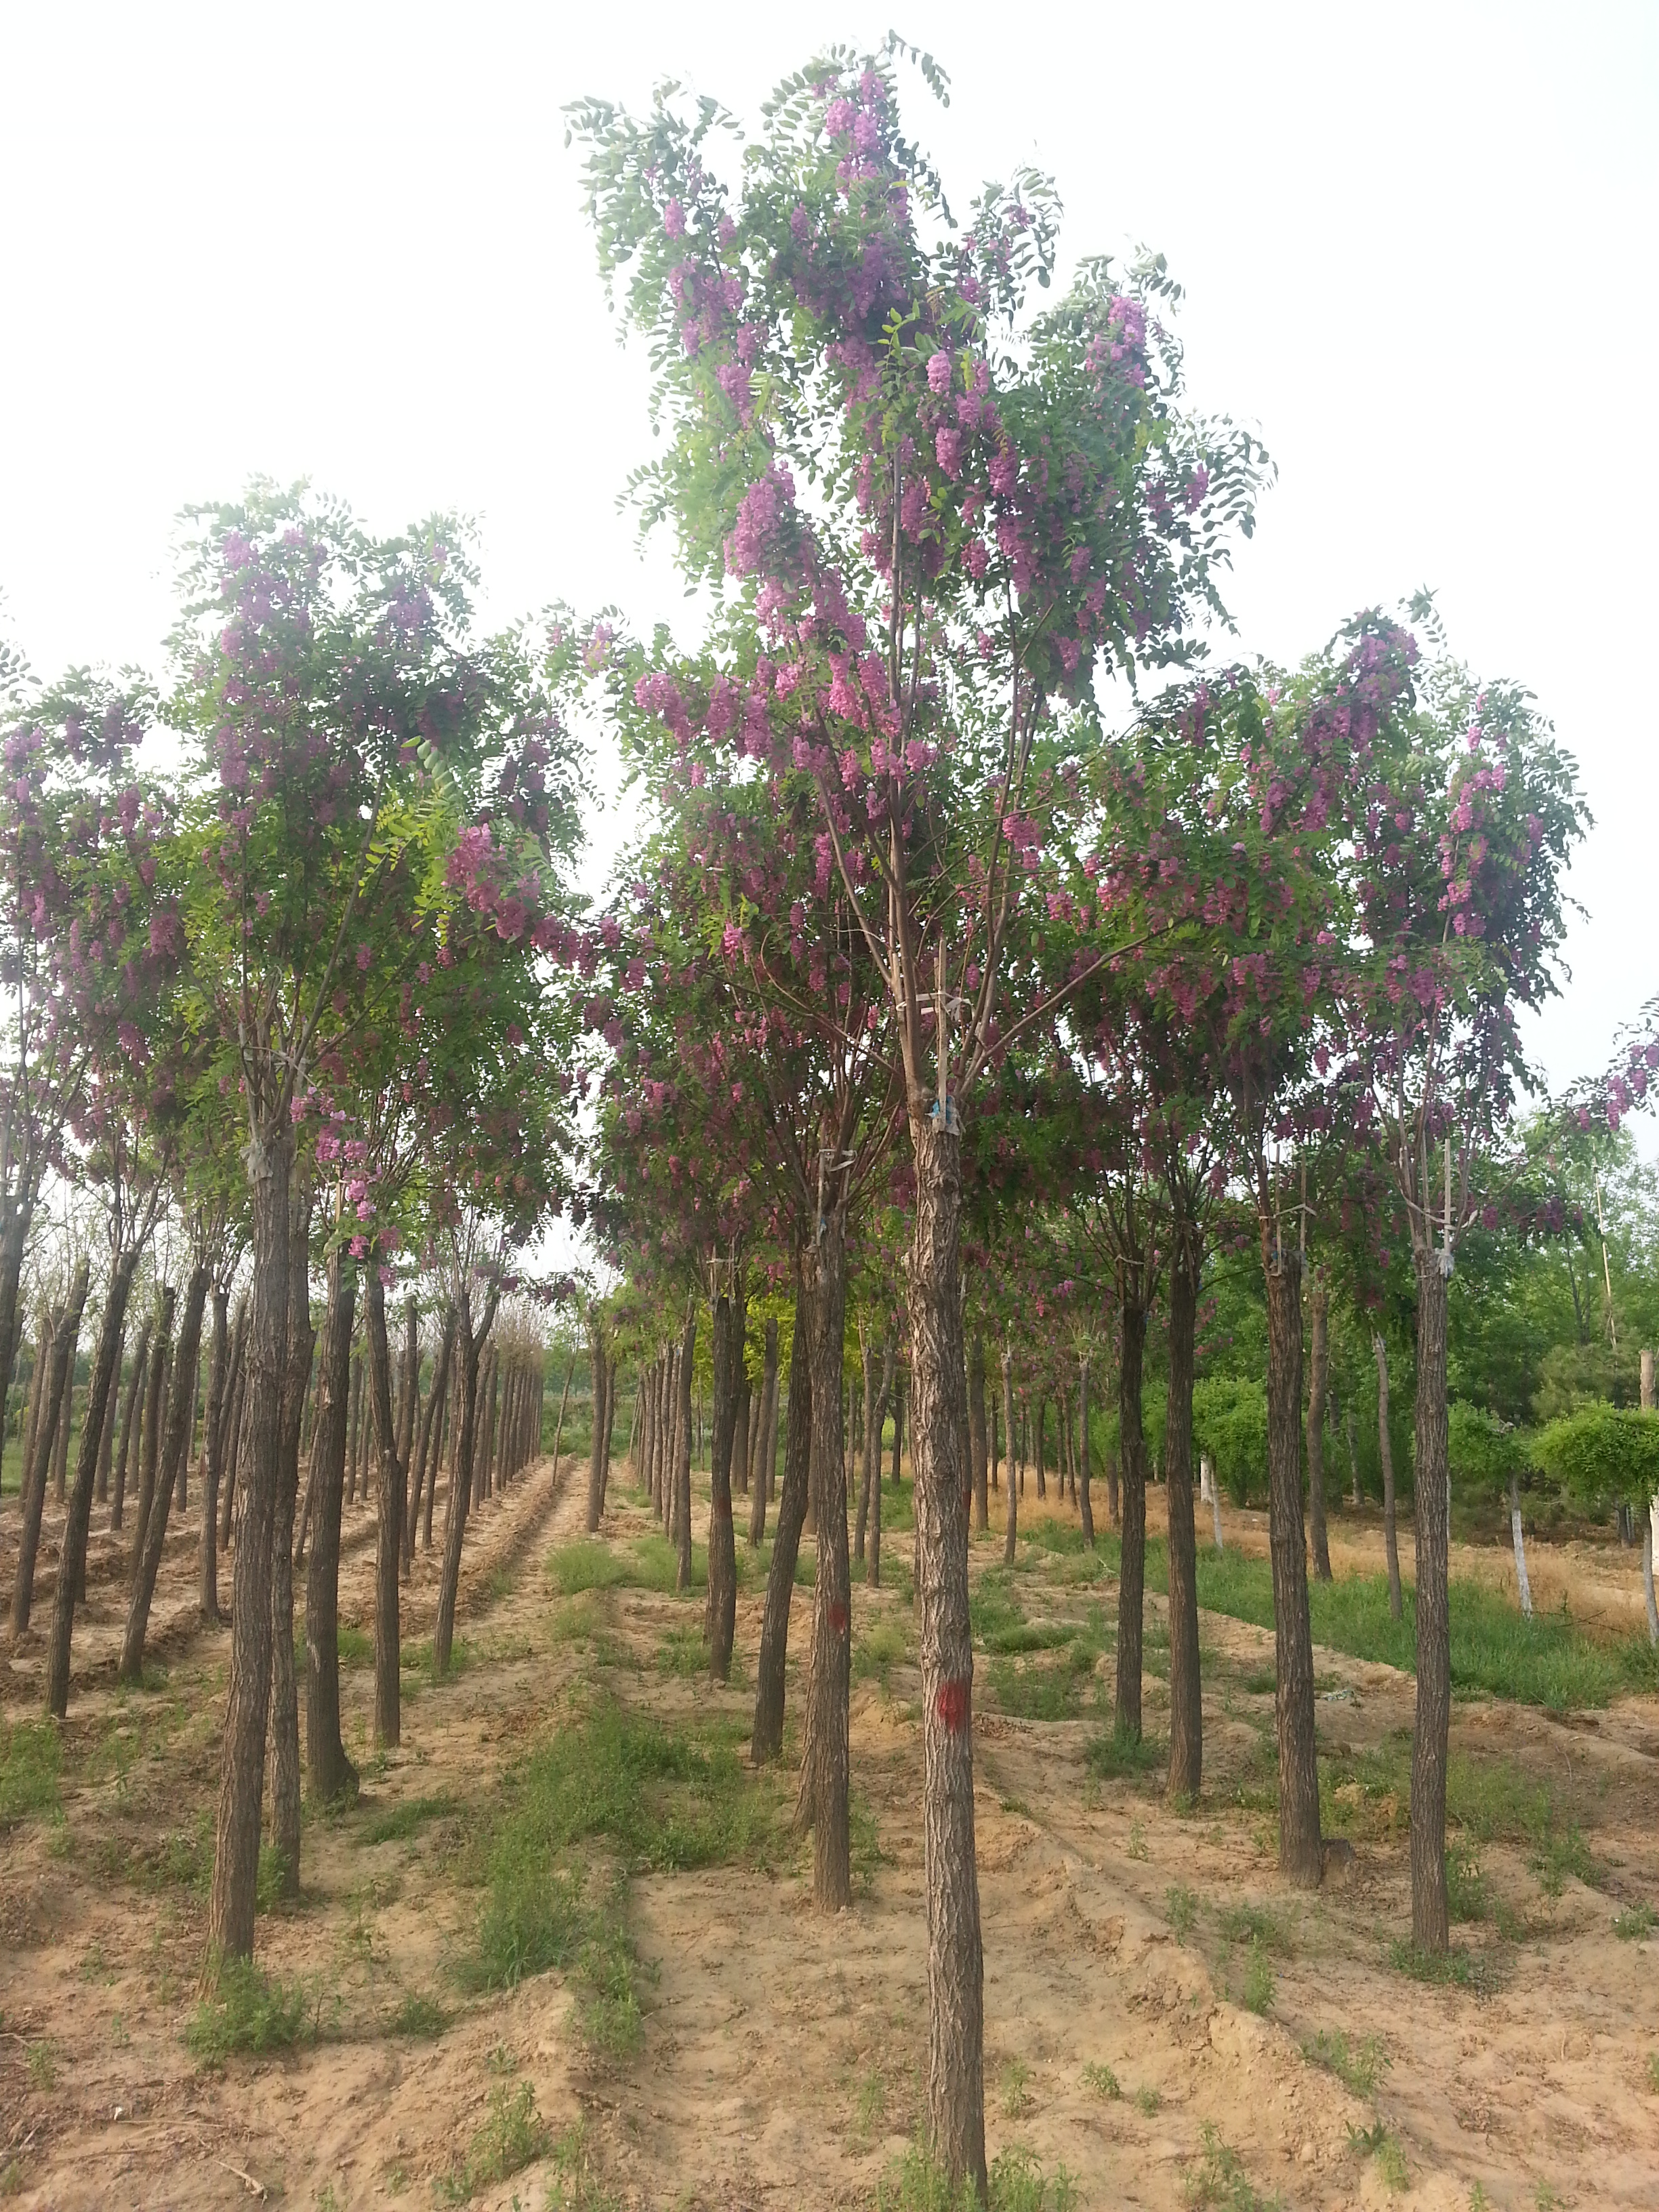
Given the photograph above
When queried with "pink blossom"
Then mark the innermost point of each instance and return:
(673, 219)
(938, 373)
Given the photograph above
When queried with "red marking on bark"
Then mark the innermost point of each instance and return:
(951, 1704)
(838, 1618)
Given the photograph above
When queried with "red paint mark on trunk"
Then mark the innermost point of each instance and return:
(838, 1616)
(951, 1704)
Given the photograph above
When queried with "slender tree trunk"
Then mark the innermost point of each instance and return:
(956, 2075)
(595, 1451)
(682, 1457)
(1385, 1447)
(233, 1432)
(767, 1741)
(150, 1429)
(329, 1770)
(1215, 1508)
(1186, 1689)
(1353, 1456)
(1041, 1435)
(431, 1431)
(740, 1432)
(16, 1217)
(180, 1413)
(868, 1366)
(720, 1607)
(236, 1843)
(976, 1432)
(469, 1348)
(284, 1717)
(825, 1769)
(128, 1410)
(1086, 1506)
(1132, 1571)
(1523, 1586)
(1299, 1854)
(898, 1428)
(760, 1486)
(60, 1447)
(72, 1560)
(53, 1410)
(389, 1525)
(1319, 1372)
(213, 1468)
(1011, 1526)
(354, 1430)
(558, 1426)
(1430, 1736)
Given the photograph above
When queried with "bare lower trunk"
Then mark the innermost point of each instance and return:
(1649, 1523)
(1186, 1697)
(284, 1751)
(236, 1843)
(938, 1422)
(331, 1770)
(54, 1409)
(1215, 1508)
(767, 1740)
(214, 1462)
(1385, 1449)
(430, 1435)
(469, 1348)
(135, 1391)
(740, 1432)
(149, 1438)
(825, 1767)
(596, 1449)
(1132, 1572)
(721, 1609)
(177, 1445)
(1353, 1456)
(389, 1525)
(1299, 1857)
(72, 1559)
(19, 1215)
(867, 1367)
(1010, 1525)
(1523, 1586)
(976, 1432)
(760, 1481)
(1429, 1739)
(683, 1460)
(1085, 1505)
(1318, 1376)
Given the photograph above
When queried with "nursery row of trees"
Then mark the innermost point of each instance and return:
(946, 1004)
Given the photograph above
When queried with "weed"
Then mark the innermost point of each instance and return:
(870, 2109)
(30, 1757)
(1451, 1969)
(1181, 1911)
(1016, 2089)
(1101, 2080)
(1038, 1693)
(1148, 2101)
(1254, 1924)
(41, 2063)
(1478, 2200)
(249, 2010)
(1376, 2141)
(1633, 1923)
(576, 2186)
(1653, 2071)
(880, 1649)
(1137, 1842)
(1256, 1991)
(11, 2177)
(399, 1822)
(1219, 2183)
(513, 2134)
(588, 1565)
(1561, 1854)
(1118, 1756)
(682, 1652)
(1019, 2183)
(1467, 1898)
(864, 1840)
(419, 2016)
(1358, 2066)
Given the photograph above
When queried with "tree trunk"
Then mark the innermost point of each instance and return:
(180, 1422)
(867, 1367)
(1041, 1437)
(683, 1459)
(1132, 1571)
(18, 1217)
(135, 1387)
(284, 1717)
(213, 1470)
(976, 1436)
(1429, 1739)
(1299, 1857)
(558, 1426)
(355, 1431)
(60, 1449)
(825, 1768)
(330, 1772)
(426, 1457)
(471, 1348)
(73, 1558)
(389, 1524)
(150, 1426)
(767, 1740)
(596, 1449)
(1319, 1372)
(1086, 1506)
(1353, 1456)
(1186, 1690)
(1385, 1448)
(720, 1607)
(236, 1842)
(52, 1410)
(1215, 1508)
(1011, 1526)
(740, 1431)
(956, 2064)
(1523, 1587)
(898, 1428)
(760, 1484)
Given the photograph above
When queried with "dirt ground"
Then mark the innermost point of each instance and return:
(783, 2053)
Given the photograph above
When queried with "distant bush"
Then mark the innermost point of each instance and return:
(1230, 1422)
(1603, 1453)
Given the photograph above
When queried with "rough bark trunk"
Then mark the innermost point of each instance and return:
(213, 1468)
(1299, 1857)
(389, 1525)
(150, 1425)
(63, 1339)
(766, 1742)
(977, 1441)
(825, 1768)
(330, 1769)
(234, 1407)
(1086, 1506)
(1132, 1571)
(1385, 1449)
(179, 1414)
(596, 1450)
(236, 1842)
(1429, 1739)
(1186, 1692)
(72, 1559)
(720, 1607)
(956, 2064)
(760, 1484)
(284, 1717)
(682, 1457)
(60, 1449)
(1318, 1376)
(1011, 1526)
(134, 1389)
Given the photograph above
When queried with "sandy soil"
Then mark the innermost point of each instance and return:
(783, 2053)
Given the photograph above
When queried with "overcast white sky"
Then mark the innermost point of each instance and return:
(345, 242)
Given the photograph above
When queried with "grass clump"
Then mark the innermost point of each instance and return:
(1117, 1756)
(1376, 2141)
(1359, 2066)
(880, 1649)
(1254, 1923)
(1052, 1691)
(512, 2135)
(1101, 2081)
(420, 2016)
(1016, 2089)
(576, 2185)
(1632, 1924)
(1018, 2184)
(31, 1758)
(1451, 1969)
(249, 2010)
(588, 1564)
(1181, 1911)
(399, 1822)
(1219, 2183)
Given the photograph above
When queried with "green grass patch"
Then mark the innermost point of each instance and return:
(1116, 1756)
(420, 2016)
(249, 2011)
(917, 2183)
(31, 1758)
(1634, 1923)
(876, 1653)
(1220, 2182)
(512, 2136)
(1034, 1690)
(588, 1564)
(397, 1823)
(1254, 1923)
(1181, 1911)
(682, 1652)
(1359, 2066)
(1376, 2141)
(1452, 1968)
(1102, 2081)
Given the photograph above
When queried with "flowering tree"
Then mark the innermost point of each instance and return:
(991, 522)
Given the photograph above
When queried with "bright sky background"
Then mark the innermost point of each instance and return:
(345, 242)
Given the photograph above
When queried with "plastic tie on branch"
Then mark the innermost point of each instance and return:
(1445, 1262)
(943, 1114)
